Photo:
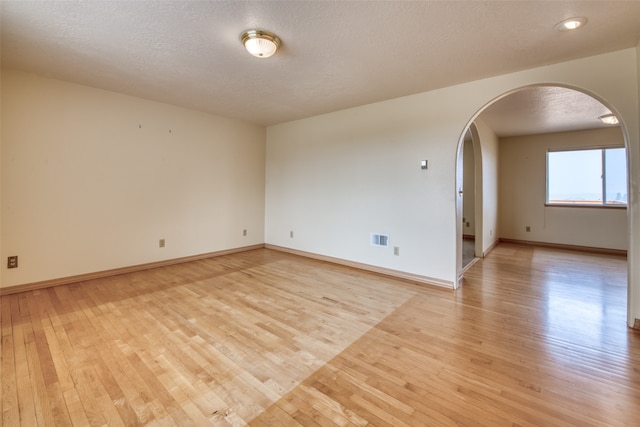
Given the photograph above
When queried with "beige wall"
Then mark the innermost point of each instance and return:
(334, 178)
(523, 194)
(490, 201)
(2, 257)
(91, 180)
(633, 157)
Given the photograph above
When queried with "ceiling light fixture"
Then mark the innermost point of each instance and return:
(261, 44)
(571, 24)
(608, 119)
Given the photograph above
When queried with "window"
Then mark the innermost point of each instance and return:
(594, 177)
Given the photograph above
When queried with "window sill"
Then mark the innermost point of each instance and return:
(577, 205)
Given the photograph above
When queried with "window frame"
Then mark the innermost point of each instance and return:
(603, 204)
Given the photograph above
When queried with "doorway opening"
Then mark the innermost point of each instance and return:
(471, 200)
(506, 139)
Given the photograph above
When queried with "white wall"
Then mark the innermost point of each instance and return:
(91, 180)
(335, 178)
(523, 194)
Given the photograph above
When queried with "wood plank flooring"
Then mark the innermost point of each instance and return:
(535, 336)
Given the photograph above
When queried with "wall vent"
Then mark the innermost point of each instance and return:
(378, 239)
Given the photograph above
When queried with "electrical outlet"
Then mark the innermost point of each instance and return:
(396, 250)
(528, 228)
(468, 224)
(161, 243)
(291, 234)
(244, 232)
(12, 261)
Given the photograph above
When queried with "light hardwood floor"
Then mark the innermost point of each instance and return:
(534, 337)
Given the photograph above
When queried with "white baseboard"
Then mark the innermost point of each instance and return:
(367, 267)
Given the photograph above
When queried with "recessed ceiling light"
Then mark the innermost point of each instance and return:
(608, 119)
(571, 24)
(261, 44)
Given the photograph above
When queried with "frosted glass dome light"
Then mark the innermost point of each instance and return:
(261, 44)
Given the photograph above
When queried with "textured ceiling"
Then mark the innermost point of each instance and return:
(335, 54)
(544, 109)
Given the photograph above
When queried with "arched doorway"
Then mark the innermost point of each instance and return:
(472, 220)
(548, 102)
